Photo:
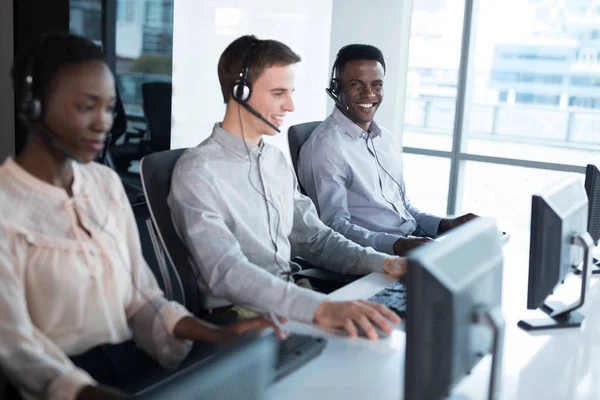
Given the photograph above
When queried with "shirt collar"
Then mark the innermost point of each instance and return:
(42, 186)
(235, 144)
(351, 128)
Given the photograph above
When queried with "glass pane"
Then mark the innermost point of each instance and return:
(536, 93)
(433, 61)
(427, 182)
(85, 19)
(144, 48)
(504, 192)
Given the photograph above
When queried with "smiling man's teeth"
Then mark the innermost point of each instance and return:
(278, 118)
(365, 105)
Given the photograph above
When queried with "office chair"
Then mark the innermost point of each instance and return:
(131, 146)
(157, 110)
(131, 182)
(323, 280)
(156, 170)
(297, 136)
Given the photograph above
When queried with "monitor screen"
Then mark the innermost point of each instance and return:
(451, 283)
(592, 188)
(557, 214)
(243, 370)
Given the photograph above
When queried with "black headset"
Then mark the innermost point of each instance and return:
(31, 108)
(241, 89)
(334, 83)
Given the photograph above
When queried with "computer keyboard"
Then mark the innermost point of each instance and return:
(394, 297)
(295, 351)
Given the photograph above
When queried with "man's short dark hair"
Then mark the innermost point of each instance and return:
(266, 54)
(354, 52)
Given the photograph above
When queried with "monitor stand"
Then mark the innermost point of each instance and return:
(595, 268)
(560, 315)
(493, 318)
(571, 319)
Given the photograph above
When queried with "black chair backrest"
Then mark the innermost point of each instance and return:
(157, 109)
(297, 136)
(156, 170)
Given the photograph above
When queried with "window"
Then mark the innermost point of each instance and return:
(508, 76)
(586, 102)
(530, 111)
(126, 11)
(434, 55)
(534, 62)
(85, 19)
(504, 192)
(589, 81)
(532, 98)
(144, 48)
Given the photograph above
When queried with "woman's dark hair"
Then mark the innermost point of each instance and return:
(45, 56)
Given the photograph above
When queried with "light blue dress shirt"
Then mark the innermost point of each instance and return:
(346, 172)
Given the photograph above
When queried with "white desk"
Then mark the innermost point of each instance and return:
(554, 364)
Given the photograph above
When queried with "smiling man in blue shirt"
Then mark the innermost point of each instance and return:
(352, 168)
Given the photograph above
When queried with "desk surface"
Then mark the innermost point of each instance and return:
(554, 364)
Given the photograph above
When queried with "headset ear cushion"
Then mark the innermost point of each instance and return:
(241, 92)
(32, 109)
(334, 85)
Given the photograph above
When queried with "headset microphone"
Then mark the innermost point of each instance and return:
(256, 114)
(242, 89)
(45, 133)
(337, 100)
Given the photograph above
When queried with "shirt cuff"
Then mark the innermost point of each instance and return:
(68, 385)
(376, 261)
(430, 225)
(170, 350)
(305, 305)
(386, 245)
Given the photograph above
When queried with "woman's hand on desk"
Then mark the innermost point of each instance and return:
(101, 392)
(395, 267)
(349, 314)
(249, 325)
(193, 329)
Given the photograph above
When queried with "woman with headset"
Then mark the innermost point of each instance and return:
(80, 311)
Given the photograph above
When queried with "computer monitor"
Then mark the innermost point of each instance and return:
(558, 232)
(592, 188)
(242, 371)
(453, 314)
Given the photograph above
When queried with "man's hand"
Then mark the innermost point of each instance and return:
(349, 314)
(403, 245)
(395, 266)
(450, 223)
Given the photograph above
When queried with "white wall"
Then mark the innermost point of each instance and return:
(203, 29)
(315, 29)
(385, 24)
(7, 115)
